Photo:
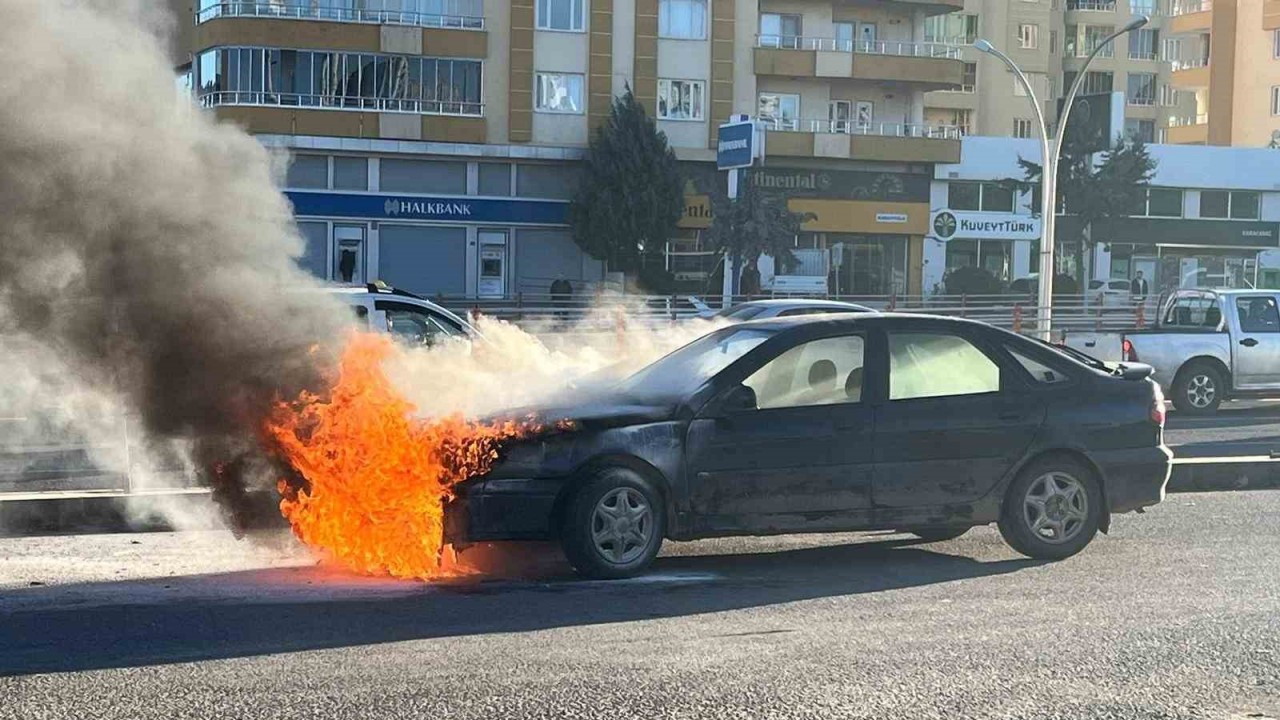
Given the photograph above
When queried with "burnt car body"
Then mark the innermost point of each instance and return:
(833, 423)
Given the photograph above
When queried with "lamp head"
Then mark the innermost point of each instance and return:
(1136, 23)
(983, 46)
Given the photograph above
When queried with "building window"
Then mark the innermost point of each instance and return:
(1142, 7)
(308, 171)
(1097, 82)
(1033, 79)
(1142, 89)
(1275, 44)
(984, 197)
(1144, 44)
(340, 81)
(680, 99)
(1023, 128)
(562, 15)
(1028, 36)
(1275, 99)
(1084, 39)
(968, 77)
(781, 111)
(1164, 202)
(560, 93)
(1141, 130)
(1169, 96)
(1053, 42)
(956, 28)
(780, 31)
(682, 19)
(1237, 205)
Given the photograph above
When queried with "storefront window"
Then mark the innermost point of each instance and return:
(872, 264)
(994, 256)
(1164, 202)
(986, 197)
(1213, 203)
(1244, 206)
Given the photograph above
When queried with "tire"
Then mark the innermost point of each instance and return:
(1198, 388)
(1052, 510)
(940, 534)
(598, 550)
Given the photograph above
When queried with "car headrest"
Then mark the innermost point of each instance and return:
(822, 372)
(853, 383)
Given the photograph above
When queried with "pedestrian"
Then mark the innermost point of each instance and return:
(561, 294)
(1138, 289)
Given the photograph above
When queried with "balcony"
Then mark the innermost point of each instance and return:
(1192, 74)
(934, 7)
(851, 140)
(299, 10)
(1271, 14)
(1190, 16)
(1091, 5)
(387, 118)
(1187, 131)
(936, 65)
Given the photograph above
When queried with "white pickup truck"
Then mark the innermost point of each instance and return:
(1212, 345)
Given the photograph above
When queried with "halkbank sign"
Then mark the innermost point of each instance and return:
(948, 224)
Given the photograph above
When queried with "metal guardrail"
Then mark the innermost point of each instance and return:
(40, 459)
(316, 11)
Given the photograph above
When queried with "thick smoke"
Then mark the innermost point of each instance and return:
(144, 246)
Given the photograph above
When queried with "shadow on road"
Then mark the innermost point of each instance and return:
(110, 630)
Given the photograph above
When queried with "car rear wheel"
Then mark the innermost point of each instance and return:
(613, 525)
(1052, 510)
(942, 534)
(1198, 389)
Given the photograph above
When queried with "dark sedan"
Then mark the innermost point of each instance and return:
(911, 423)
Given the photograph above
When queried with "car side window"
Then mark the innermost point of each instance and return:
(413, 325)
(925, 365)
(1043, 374)
(819, 372)
(1258, 314)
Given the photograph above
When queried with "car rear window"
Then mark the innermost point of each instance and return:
(1040, 372)
(741, 312)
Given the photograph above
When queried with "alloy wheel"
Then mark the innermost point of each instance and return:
(1056, 507)
(1201, 391)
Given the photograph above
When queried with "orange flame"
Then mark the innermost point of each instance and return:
(376, 477)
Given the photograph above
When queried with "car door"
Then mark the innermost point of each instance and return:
(799, 457)
(954, 420)
(415, 325)
(1257, 349)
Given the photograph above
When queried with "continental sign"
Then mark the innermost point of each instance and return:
(842, 184)
(831, 215)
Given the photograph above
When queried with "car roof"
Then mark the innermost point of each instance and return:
(859, 319)
(796, 302)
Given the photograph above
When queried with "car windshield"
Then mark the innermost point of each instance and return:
(684, 370)
(740, 312)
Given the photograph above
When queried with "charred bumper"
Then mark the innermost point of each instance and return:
(503, 509)
(1135, 478)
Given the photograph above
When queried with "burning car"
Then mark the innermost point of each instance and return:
(858, 422)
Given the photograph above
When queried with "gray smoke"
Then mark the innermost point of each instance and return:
(142, 244)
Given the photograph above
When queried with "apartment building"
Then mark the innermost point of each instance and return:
(1049, 40)
(1226, 56)
(436, 142)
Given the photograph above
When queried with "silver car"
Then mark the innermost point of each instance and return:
(764, 309)
(411, 319)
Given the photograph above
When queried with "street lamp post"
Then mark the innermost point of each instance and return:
(1050, 148)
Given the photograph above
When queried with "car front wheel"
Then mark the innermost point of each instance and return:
(613, 525)
(1052, 510)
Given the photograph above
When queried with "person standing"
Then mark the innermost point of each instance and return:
(1138, 289)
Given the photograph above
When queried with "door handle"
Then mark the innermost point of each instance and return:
(1248, 342)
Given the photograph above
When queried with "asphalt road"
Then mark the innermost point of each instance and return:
(1175, 615)
(1239, 428)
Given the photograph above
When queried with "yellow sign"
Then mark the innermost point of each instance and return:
(697, 212)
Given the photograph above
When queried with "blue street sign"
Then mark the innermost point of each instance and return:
(736, 148)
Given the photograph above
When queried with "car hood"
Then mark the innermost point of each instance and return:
(595, 409)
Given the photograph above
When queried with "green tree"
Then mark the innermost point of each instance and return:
(630, 195)
(1107, 190)
(757, 223)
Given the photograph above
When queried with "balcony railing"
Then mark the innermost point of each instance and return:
(1096, 5)
(870, 47)
(1143, 55)
(1141, 100)
(854, 127)
(339, 14)
(1190, 64)
(331, 102)
(1187, 7)
(1188, 121)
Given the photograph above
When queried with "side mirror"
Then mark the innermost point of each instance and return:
(739, 399)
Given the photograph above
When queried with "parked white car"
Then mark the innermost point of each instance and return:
(1108, 293)
(411, 319)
